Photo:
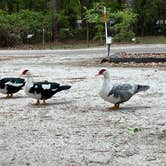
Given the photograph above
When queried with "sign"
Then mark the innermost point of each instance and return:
(29, 36)
(105, 15)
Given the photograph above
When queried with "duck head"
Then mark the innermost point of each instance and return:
(26, 73)
(104, 72)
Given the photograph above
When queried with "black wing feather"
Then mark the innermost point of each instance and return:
(121, 91)
(37, 86)
(11, 88)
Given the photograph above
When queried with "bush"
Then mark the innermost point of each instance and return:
(9, 39)
(13, 39)
(123, 26)
(121, 29)
(164, 31)
(15, 27)
(94, 16)
(124, 36)
(3, 38)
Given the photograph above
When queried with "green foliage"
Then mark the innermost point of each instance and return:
(149, 12)
(72, 6)
(18, 25)
(123, 26)
(33, 21)
(95, 16)
(21, 17)
(62, 19)
(123, 22)
(68, 13)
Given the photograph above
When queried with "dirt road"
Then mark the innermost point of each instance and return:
(77, 127)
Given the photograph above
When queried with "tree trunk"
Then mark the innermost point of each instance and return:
(17, 6)
(54, 22)
(83, 3)
(10, 6)
(130, 3)
(31, 4)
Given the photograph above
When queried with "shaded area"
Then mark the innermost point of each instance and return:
(136, 58)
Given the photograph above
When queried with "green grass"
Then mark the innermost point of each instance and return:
(74, 44)
(152, 40)
(62, 45)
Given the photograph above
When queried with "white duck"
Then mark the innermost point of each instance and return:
(41, 90)
(118, 93)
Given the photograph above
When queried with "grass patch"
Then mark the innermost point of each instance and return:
(76, 44)
(71, 44)
(152, 40)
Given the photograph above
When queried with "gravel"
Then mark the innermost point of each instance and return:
(77, 127)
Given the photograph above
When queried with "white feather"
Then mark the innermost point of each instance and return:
(104, 94)
(4, 91)
(13, 84)
(48, 86)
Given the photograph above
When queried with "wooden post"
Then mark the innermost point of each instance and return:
(87, 34)
(43, 37)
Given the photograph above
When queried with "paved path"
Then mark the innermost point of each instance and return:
(101, 51)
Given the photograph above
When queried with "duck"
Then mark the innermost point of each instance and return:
(118, 93)
(11, 85)
(41, 90)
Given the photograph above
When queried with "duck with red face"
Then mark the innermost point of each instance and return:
(118, 93)
(41, 90)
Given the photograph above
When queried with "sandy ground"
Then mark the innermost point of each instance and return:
(77, 127)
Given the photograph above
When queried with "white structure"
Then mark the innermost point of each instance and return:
(107, 38)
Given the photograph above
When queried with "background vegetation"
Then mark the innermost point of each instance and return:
(35, 21)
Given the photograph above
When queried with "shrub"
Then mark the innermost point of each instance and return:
(164, 31)
(94, 16)
(123, 26)
(15, 27)
(121, 29)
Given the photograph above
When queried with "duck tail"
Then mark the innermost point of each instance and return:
(64, 87)
(142, 88)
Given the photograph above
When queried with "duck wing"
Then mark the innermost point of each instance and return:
(12, 85)
(14, 82)
(123, 91)
(39, 87)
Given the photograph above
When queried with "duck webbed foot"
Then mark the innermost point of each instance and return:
(9, 96)
(37, 102)
(44, 102)
(115, 107)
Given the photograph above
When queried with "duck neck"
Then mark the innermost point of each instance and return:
(29, 81)
(107, 79)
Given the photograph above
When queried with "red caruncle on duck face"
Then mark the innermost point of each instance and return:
(101, 72)
(25, 72)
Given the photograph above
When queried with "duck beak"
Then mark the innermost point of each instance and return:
(23, 75)
(97, 75)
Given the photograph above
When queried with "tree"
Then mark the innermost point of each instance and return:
(123, 22)
(123, 27)
(54, 22)
(149, 13)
